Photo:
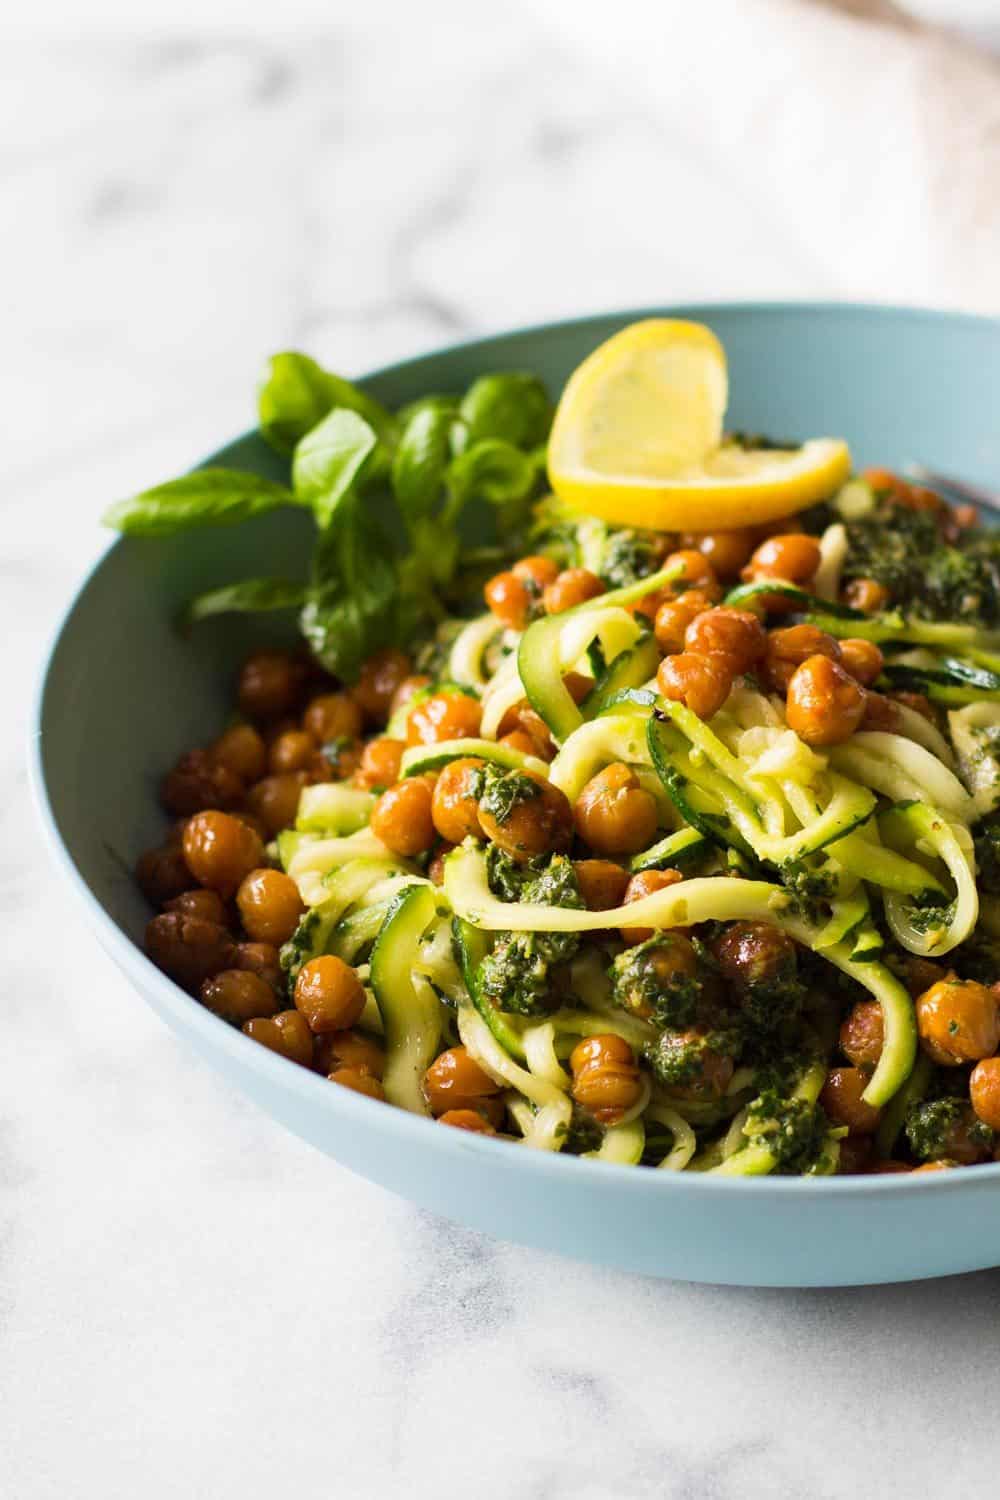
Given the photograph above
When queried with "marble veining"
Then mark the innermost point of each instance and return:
(191, 1302)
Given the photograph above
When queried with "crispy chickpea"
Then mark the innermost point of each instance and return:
(407, 691)
(275, 799)
(861, 659)
(918, 974)
(571, 587)
(734, 634)
(360, 1080)
(644, 884)
(541, 571)
(262, 959)
(220, 850)
(703, 683)
(402, 816)
(753, 952)
(881, 713)
(285, 1033)
(336, 761)
(958, 1021)
(467, 1119)
(329, 994)
(614, 814)
(238, 995)
(920, 704)
(269, 905)
(984, 1091)
(707, 1072)
(207, 905)
(889, 1168)
(841, 1100)
(510, 599)
(332, 716)
(694, 571)
(455, 1080)
(520, 739)
(271, 683)
(522, 717)
(242, 751)
(862, 1034)
(162, 874)
(443, 716)
(380, 763)
(602, 883)
(867, 595)
(792, 557)
(534, 823)
(787, 649)
(349, 1049)
(727, 551)
(455, 802)
(187, 948)
(379, 681)
(291, 751)
(855, 1155)
(606, 1078)
(435, 870)
(939, 1166)
(197, 782)
(824, 705)
(674, 616)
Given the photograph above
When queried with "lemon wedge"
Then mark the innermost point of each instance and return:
(638, 439)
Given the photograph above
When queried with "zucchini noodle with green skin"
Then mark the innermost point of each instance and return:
(684, 854)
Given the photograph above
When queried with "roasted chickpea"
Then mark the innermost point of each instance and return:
(706, 1072)
(727, 551)
(329, 994)
(407, 691)
(522, 717)
(207, 905)
(332, 716)
(286, 1033)
(402, 816)
(703, 683)
(524, 822)
(360, 1080)
(984, 1091)
(271, 684)
(855, 1155)
(443, 716)
(754, 952)
(455, 802)
(644, 884)
(734, 634)
(787, 649)
(541, 571)
(668, 961)
(455, 1080)
(693, 571)
(520, 739)
(867, 595)
(918, 974)
(614, 814)
(336, 761)
(881, 713)
(862, 1034)
(269, 905)
(275, 800)
(958, 1021)
(162, 874)
(841, 1100)
(379, 681)
(242, 751)
(793, 558)
(349, 1049)
(238, 995)
(862, 660)
(602, 883)
(606, 1078)
(571, 587)
(292, 751)
(198, 782)
(187, 948)
(510, 599)
(920, 704)
(889, 1167)
(380, 763)
(824, 705)
(435, 870)
(577, 685)
(467, 1119)
(262, 959)
(220, 850)
(674, 616)
(942, 1165)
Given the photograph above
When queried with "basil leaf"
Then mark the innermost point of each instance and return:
(351, 609)
(251, 596)
(330, 460)
(514, 407)
(426, 403)
(492, 470)
(295, 393)
(421, 460)
(208, 497)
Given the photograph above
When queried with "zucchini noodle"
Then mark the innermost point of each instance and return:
(466, 659)
(903, 771)
(833, 554)
(623, 1143)
(685, 1142)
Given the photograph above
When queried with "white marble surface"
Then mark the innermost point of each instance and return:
(191, 1302)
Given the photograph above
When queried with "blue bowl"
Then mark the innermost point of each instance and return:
(123, 695)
